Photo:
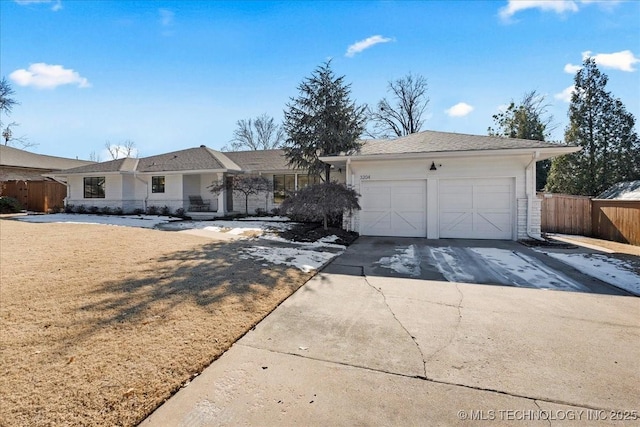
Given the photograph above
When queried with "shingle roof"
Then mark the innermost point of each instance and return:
(260, 160)
(201, 158)
(628, 190)
(118, 165)
(433, 142)
(10, 156)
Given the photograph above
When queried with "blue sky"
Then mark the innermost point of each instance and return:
(177, 74)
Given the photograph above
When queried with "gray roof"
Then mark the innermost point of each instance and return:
(201, 158)
(434, 142)
(260, 160)
(10, 156)
(118, 165)
(628, 190)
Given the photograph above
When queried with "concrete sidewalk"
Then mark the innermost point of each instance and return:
(371, 350)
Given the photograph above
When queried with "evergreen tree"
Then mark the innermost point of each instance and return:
(601, 125)
(321, 121)
(527, 120)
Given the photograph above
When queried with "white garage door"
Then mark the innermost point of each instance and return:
(476, 209)
(393, 208)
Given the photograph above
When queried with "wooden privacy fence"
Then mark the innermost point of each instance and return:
(615, 220)
(36, 196)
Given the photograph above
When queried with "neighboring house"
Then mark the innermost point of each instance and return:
(171, 179)
(429, 184)
(21, 176)
(447, 185)
(627, 190)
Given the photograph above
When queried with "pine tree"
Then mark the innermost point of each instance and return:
(601, 125)
(321, 121)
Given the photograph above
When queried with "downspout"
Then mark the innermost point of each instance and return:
(531, 167)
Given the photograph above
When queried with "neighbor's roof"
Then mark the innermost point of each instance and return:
(628, 190)
(436, 142)
(260, 160)
(10, 156)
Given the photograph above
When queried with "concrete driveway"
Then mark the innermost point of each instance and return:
(361, 344)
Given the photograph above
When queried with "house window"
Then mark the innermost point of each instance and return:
(157, 184)
(307, 180)
(94, 187)
(282, 185)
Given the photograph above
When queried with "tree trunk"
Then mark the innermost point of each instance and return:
(325, 222)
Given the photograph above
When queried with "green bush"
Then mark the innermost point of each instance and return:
(94, 209)
(152, 210)
(9, 205)
(106, 210)
(166, 210)
(69, 209)
(81, 209)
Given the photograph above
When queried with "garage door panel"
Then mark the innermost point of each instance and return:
(480, 209)
(393, 208)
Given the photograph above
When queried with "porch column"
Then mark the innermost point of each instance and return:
(222, 197)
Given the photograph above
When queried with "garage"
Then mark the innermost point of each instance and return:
(393, 208)
(476, 208)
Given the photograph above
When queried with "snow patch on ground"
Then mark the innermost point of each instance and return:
(325, 242)
(404, 262)
(141, 221)
(610, 270)
(303, 259)
(233, 227)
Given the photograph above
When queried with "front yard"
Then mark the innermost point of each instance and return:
(101, 324)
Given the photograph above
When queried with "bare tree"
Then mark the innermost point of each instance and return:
(119, 151)
(259, 134)
(405, 116)
(246, 185)
(7, 102)
(94, 157)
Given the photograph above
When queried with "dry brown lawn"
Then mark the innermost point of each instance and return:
(101, 324)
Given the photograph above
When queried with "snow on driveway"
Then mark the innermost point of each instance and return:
(303, 259)
(404, 262)
(479, 265)
(526, 271)
(610, 270)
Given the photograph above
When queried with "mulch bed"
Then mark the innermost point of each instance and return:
(312, 232)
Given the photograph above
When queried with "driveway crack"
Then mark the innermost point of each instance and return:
(540, 410)
(455, 328)
(384, 298)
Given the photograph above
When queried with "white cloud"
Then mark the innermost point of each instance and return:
(557, 6)
(358, 47)
(572, 69)
(565, 95)
(45, 76)
(461, 109)
(57, 4)
(622, 60)
(166, 17)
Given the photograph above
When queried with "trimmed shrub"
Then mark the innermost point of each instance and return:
(9, 205)
(166, 210)
(94, 210)
(106, 210)
(81, 209)
(69, 209)
(180, 213)
(138, 211)
(118, 211)
(152, 210)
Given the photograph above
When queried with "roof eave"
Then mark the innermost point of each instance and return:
(544, 153)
